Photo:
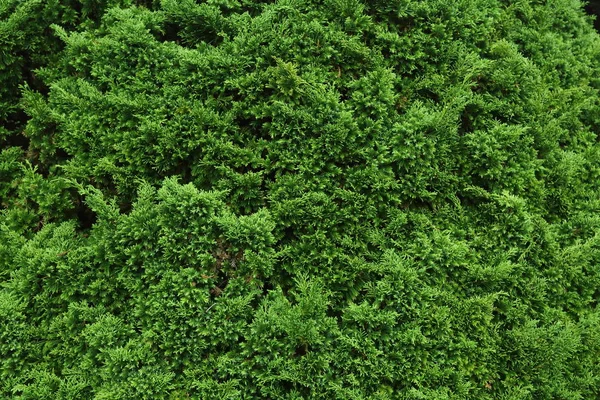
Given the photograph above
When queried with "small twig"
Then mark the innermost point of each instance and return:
(210, 307)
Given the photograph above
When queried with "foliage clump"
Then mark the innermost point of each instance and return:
(332, 199)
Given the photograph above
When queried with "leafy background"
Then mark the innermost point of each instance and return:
(297, 199)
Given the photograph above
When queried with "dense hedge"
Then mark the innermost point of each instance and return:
(294, 199)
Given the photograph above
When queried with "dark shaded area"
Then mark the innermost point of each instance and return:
(593, 8)
(17, 140)
(86, 217)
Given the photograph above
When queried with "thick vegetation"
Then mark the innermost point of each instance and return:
(334, 199)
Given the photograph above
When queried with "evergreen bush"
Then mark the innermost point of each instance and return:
(295, 199)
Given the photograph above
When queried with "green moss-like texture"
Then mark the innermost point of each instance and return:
(341, 199)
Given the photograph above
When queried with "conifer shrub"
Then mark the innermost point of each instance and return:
(298, 199)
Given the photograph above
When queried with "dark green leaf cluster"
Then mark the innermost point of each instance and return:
(296, 199)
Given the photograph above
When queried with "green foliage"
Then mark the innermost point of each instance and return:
(296, 199)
